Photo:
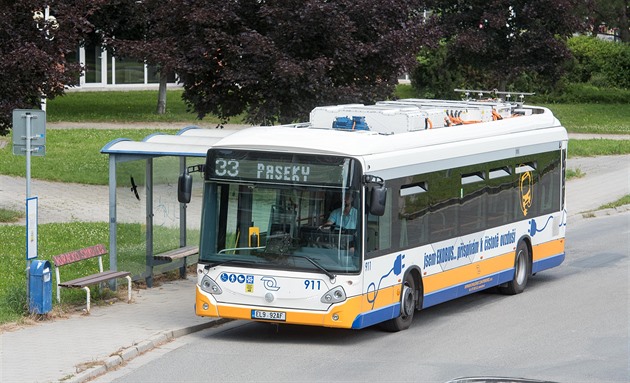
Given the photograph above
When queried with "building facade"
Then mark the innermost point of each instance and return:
(103, 71)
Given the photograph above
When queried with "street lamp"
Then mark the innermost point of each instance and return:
(46, 23)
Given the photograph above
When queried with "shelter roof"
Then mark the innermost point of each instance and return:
(191, 141)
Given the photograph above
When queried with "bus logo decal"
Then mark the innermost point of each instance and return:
(526, 186)
(372, 289)
(270, 283)
(533, 229)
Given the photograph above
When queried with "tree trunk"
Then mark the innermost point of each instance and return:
(161, 104)
(624, 32)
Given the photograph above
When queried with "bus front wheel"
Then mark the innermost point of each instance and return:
(407, 307)
(522, 267)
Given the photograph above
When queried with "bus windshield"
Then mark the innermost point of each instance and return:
(254, 216)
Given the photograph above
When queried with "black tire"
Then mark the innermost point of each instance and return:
(408, 299)
(522, 270)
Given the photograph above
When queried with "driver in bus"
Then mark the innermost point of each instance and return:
(344, 217)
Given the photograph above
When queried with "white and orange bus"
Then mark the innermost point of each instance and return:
(451, 197)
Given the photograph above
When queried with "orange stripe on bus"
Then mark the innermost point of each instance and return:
(459, 275)
(548, 249)
(463, 274)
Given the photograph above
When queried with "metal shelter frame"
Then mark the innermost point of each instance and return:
(191, 141)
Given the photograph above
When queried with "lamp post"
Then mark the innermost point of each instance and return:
(47, 23)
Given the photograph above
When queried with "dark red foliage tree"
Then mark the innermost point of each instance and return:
(33, 53)
(274, 60)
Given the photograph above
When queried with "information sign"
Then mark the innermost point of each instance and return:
(37, 118)
(31, 228)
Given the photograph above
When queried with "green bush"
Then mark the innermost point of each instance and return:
(435, 76)
(598, 73)
(575, 93)
(599, 63)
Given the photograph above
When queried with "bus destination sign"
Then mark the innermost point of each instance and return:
(273, 168)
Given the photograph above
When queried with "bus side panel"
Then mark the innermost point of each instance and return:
(547, 255)
(457, 282)
(494, 271)
(376, 316)
(382, 280)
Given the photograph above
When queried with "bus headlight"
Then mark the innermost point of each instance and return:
(210, 286)
(334, 295)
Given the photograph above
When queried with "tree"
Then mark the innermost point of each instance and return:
(612, 14)
(141, 30)
(275, 60)
(34, 54)
(501, 40)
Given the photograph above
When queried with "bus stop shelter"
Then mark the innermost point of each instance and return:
(145, 218)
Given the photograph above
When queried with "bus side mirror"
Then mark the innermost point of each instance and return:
(184, 188)
(378, 196)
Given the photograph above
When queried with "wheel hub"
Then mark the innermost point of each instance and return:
(407, 301)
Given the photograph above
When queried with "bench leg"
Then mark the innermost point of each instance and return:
(87, 292)
(58, 282)
(128, 289)
(182, 270)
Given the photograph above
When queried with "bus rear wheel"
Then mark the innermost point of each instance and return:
(522, 267)
(408, 301)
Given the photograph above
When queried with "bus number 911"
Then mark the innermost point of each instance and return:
(313, 285)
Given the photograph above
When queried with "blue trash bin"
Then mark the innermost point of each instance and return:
(40, 287)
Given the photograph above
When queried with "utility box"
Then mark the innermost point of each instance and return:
(40, 287)
(381, 118)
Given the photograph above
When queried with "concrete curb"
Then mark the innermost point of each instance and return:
(599, 213)
(125, 355)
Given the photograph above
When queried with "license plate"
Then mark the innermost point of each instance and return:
(269, 315)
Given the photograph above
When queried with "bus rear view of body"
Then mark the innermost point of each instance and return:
(367, 214)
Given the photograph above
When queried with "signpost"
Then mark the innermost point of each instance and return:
(29, 139)
(31, 228)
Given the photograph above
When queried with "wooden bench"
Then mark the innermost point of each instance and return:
(93, 279)
(179, 253)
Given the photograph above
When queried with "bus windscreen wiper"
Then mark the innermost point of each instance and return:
(328, 273)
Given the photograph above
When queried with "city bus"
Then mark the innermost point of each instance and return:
(450, 198)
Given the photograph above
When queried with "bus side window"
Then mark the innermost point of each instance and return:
(500, 196)
(413, 207)
(379, 229)
(550, 186)
(372, 237)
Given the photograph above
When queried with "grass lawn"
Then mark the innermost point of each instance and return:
(122, 106)
(593, 118)
(72, 155)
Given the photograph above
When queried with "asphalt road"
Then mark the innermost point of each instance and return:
(570, 325)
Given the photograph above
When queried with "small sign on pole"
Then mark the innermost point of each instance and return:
(29, 132)
(31, 228)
